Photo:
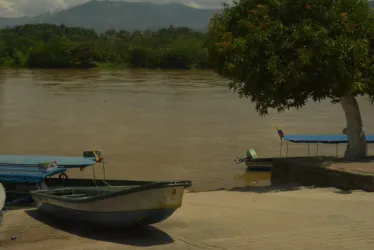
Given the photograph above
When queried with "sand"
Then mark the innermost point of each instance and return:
(300, 219)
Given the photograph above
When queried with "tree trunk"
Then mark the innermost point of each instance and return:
(356, 148)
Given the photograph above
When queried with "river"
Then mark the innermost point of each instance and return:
(152, 125)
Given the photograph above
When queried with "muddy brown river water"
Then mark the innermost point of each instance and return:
(152, 125)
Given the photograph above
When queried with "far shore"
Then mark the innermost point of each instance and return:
(106, 67)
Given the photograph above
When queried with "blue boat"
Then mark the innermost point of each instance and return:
(22, 173)
(123, 206)
(20, 180)
(33, 160)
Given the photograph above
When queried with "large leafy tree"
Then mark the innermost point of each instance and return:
(281, 53)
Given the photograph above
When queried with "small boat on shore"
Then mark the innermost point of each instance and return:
(21, 174)
(2, 201)
(123, 206)
(89, 158)
(20, 180)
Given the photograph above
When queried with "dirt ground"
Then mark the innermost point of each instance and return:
(256, 220)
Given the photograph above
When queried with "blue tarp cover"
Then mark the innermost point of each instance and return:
(328, 139)
(22, 174)
(34, 160)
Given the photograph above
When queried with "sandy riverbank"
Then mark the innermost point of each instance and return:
(301, 219)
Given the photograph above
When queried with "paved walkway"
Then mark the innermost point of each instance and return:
(366, 168)
(305, 219)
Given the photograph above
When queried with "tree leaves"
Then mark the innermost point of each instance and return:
(280, 53)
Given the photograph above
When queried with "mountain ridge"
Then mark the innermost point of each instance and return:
(105, 15)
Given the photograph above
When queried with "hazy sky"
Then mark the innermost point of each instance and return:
(15, 8)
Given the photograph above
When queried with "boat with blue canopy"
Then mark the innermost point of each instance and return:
(22, 174)
(28, 164)
(335, 139)
(20, 180)
(33, 160)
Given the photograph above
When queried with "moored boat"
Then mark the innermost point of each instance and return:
(255, 164)
(20, 180)
(22, 173)
(123, 206)
(33, 160)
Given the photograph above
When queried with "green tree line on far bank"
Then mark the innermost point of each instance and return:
(52, 46)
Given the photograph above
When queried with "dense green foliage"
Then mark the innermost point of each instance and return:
(280, 53)
(51, 46)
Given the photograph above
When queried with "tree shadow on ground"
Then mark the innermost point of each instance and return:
(140, 236)
(282, 188)
(267, 189)
(340, 191)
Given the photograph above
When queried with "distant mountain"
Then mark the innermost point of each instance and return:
(9, 22)
(104, 15)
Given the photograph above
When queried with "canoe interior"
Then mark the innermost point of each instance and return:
(71, 182)
(19, 194)
(84, 192)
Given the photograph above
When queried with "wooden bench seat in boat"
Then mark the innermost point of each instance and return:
(74, 195)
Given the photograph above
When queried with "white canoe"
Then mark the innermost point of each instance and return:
(113, 206)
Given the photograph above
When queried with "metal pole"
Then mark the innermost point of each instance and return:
(281, 147)
(317, 149)
(308, 148)
(93, 168)
(287, 149)
(336, 150)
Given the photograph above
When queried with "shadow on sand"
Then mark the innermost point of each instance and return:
(343, 192)
(267, 189)
(142, 236)
(283, 188)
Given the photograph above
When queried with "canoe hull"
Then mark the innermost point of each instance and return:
(19, 193)
(109, 219)
(134, 206)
